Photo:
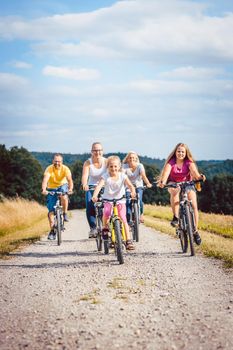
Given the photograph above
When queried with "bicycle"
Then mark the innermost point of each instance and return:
(118, 237)
(134, 219)
(99, 225)
(186, 226)
(58, 215)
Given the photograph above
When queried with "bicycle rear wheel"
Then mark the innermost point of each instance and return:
(118, 243)
(135, 222)
(99, 234)
(189, 228)
(59, 226)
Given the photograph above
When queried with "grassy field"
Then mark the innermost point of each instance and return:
(216, 231)
(21, 222)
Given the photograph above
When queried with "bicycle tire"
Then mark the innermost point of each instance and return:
(183, 240)
(118, 243)
(135, 222)
(106, 247)
(59, 224)
(99, 234)
(189, 228)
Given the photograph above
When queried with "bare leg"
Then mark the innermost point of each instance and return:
(193, 197)
(174, 200)
(51, 219)
(64, 203)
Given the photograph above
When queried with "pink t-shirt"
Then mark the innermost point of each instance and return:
(179, 174)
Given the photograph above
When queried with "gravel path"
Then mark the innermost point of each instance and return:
(72, 297)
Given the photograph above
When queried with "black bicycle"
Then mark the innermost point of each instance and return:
(186, 226)
(134, 218)
(99, 224)
(58, 215)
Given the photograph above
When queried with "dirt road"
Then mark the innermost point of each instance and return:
(72, 297)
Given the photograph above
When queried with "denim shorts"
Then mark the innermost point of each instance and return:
(51, 200)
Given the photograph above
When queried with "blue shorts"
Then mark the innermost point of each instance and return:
(51, 200)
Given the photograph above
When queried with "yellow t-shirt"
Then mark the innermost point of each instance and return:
(58, 177)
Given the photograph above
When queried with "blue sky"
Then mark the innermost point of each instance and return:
(137, 75)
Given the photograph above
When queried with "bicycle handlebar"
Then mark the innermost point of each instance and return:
(59, 193)
(113, 200)
(183, 183)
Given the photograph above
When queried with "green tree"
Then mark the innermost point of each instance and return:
(77, 200)
(21, 174)
(216, 195)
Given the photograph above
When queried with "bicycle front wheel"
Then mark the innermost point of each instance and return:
(118, 243)
(189, 227)
(59, 226)
(135, 222)
(183, 240)
(99, 234)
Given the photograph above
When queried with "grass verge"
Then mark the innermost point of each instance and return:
(21, 222)
(214, 244)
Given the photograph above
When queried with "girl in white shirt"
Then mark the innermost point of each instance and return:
(114, 182)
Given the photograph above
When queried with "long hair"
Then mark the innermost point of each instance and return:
(125, 160)
(173, 155)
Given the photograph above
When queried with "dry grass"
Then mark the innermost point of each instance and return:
(21, 221)
(214, 223)
(215, 230)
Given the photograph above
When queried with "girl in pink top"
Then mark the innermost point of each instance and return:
(180, 166)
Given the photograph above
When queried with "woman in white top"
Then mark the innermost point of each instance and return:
(93, 169)
(136, 173)
(114, 182)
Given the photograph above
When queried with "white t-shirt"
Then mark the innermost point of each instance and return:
(114, 189)
(134, 176)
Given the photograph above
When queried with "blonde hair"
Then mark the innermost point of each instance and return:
(113, 158)
(126, 159)
(173, 155)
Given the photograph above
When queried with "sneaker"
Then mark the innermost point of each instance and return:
(130, 245)
(92, 233)
(175, 221)
(105, 234)
(65, 216)
(197, 238)
(52, 235)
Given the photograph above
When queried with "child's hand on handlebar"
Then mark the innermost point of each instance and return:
(44, 192)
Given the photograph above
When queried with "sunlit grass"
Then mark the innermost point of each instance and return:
(214, 223)
(21, 221)
(216, 231)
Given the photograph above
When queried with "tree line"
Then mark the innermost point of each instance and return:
(21, 174)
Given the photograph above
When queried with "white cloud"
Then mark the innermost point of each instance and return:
(21, 65)
(190, 72)
(72, 73)
(9, 81)
(149, 29)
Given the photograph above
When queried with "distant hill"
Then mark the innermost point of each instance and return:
(209, 167)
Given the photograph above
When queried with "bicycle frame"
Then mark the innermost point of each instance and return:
(113, 218)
